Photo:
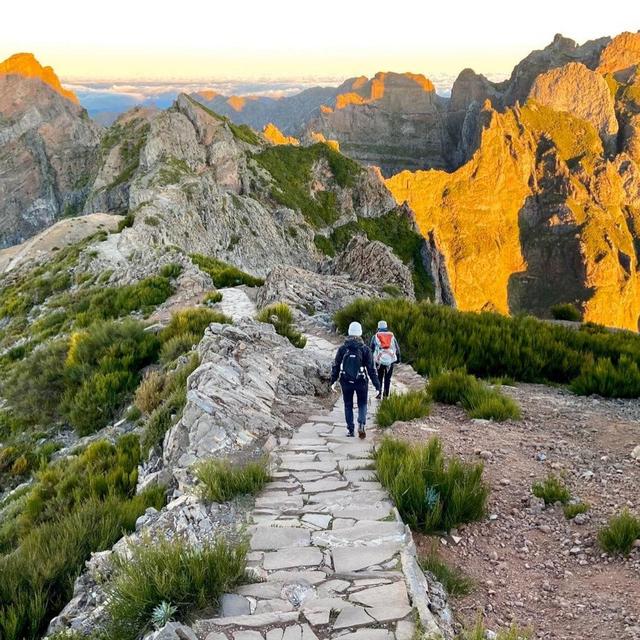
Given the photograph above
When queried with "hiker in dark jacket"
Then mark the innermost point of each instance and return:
(386, 353)
(353, 366)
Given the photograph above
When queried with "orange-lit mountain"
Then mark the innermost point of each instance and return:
(48, 149)
(547, 208)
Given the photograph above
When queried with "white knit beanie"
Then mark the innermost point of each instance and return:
(382, 324)
(355, 329)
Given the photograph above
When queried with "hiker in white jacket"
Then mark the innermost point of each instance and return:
(386, 353)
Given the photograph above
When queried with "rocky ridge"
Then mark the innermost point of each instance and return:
(47, 149)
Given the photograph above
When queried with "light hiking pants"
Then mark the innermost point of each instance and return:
(360, 389)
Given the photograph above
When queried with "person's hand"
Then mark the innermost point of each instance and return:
(334, 386)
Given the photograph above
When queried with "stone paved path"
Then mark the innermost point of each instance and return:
(327, 545)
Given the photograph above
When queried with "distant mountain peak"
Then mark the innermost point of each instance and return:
(27, 65)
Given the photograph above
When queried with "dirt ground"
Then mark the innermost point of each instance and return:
(530, 565)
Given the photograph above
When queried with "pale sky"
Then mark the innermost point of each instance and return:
(136, 39)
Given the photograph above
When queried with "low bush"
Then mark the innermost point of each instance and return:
(566, 312)
(572, 509)
(551, 490)
(149, 393)
(432, 493)
(212, 298)
(479, 400)
(220, 480)
(436, 338)
(189, 577)
(620, 533)
(171, 270)
(224, 274)
(178, 346)
(169, 410)
(280, 316)
(453, 579)
(404, 407)
(192, 321)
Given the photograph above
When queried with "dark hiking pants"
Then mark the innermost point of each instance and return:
(360, 389)
(384, 375)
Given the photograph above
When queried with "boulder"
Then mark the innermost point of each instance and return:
(313, 293)
(374, 263)
(581, 92)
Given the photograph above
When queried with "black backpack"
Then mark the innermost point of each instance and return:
(352, 367)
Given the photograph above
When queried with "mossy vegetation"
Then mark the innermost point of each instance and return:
(437, 338)
(223, 274)
(280, 316)
(130, 136)
(575, 139)
(431, 492)
(291, 169)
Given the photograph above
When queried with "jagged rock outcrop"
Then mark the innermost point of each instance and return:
(314, 293)
(621, 56)
(248, 380)
(374, 263)
(48, 149)
(582, 93)
(392, 120)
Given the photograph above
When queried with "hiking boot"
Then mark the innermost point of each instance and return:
(378, 396)
(350, 433)
(361, 432)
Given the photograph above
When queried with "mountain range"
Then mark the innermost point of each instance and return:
(525, 193)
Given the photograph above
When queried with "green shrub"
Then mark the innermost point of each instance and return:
(620, 533)
(37, 579)
(280, 316)
(174, 394)
(102, 369)
(571, 510)
(480, 401)
(566, 312)
(127, 221)
(437, 338)
(191, 578)
(171, 270)
(213, 298)
(192, 321)
(221, 481)
(149, 393)
(431, 493)
(603, 378)
(551, 490)
(454, 580)
(178, 345)
(404, 407)
(224, 274)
